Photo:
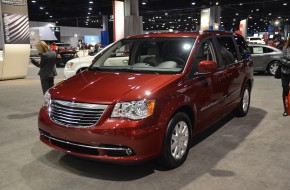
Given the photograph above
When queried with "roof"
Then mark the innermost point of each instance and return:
(181, 34)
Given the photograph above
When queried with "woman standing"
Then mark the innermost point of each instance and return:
(47, 62)
(285, 73)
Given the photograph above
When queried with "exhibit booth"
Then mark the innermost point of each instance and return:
(14, 39)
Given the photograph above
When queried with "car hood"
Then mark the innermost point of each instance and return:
(109, 87)
(82, 59)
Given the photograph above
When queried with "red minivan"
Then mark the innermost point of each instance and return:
(147, 96)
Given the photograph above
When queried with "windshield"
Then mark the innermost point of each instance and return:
(152, 55)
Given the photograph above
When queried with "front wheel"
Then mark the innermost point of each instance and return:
(244, 104)
(177, 141)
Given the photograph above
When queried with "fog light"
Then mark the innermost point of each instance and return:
(129, 151)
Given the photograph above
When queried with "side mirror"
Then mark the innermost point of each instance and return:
(207, 67)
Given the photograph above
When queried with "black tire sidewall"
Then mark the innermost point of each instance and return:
(168, 160)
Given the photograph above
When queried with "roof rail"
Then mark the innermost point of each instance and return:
(206, 31)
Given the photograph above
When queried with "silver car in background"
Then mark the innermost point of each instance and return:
(265, 58)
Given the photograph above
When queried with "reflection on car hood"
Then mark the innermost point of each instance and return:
(109, 87)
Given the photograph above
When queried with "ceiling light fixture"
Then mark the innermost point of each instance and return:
(144, 2)
(91, 2)
(33, 1)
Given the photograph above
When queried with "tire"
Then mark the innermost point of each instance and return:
(272, 67)
(177, 141)
(244, 105)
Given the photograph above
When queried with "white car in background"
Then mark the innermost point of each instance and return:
(77, 65)
(255, 40)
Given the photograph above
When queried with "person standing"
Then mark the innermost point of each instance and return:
(46, 64)
(285, 73)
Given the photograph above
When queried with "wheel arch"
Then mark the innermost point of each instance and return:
(189, 112)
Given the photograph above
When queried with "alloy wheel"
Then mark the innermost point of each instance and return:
(246, 100)
(273, 67)
(179, 140)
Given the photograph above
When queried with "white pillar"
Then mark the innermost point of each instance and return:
(286, 31)
(210, 18)
(133, 22)
(105, 22)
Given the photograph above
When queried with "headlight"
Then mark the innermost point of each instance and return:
(69, 64)
(134, 110)
(47, 99)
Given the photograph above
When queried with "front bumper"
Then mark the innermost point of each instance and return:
(116, 140)
(68, 73)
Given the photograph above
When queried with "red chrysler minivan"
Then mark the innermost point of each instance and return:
(146, 96)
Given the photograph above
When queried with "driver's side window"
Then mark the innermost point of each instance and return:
(205, 52)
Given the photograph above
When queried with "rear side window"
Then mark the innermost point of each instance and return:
(255, 39)
(260, 50)
(257, 50)
(267, 50)
(227, 50)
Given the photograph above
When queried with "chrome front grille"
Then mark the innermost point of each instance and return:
(73, 114)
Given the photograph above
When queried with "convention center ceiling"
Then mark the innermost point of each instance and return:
(182, 15)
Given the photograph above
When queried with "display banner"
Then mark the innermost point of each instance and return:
(14, 2)
(243, 27)
(15, 37)
(15, 21)
(119, 17)
(204, 19)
